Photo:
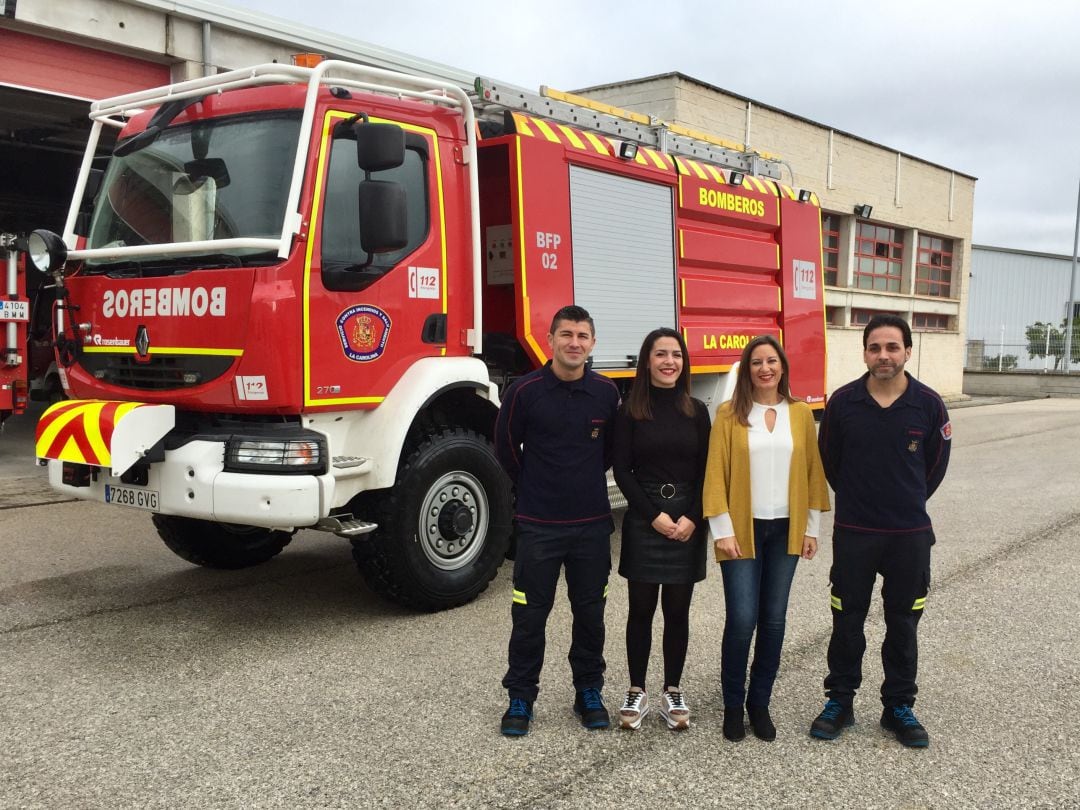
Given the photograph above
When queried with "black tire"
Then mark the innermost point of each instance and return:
(445, 526)
(219, 545)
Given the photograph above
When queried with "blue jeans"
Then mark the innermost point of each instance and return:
(756, 597)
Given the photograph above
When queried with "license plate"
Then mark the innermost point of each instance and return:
(14, 310)
(132, 496)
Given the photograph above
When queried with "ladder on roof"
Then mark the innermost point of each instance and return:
(491, 100)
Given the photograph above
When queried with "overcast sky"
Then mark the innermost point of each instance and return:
(990, 89)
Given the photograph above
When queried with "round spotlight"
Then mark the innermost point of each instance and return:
(46, 250)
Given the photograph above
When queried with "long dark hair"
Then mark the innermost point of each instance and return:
(638, 401)
(743, 398)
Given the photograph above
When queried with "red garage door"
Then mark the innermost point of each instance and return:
(60, 67)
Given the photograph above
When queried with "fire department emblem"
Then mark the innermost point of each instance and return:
(363, 330)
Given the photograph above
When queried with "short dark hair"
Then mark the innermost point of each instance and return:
(886, 319)
(575, 314)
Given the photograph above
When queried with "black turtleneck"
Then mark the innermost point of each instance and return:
(669, 448)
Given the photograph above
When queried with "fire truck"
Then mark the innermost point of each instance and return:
(293, 297)
(15, 320)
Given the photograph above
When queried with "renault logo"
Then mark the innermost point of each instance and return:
(142, 341)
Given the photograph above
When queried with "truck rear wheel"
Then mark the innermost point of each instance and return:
(219, 545)
(443, 528)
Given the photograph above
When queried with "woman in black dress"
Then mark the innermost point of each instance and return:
(661, 445)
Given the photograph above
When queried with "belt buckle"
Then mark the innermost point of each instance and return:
(667, 491)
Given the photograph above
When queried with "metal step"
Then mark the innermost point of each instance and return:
(345, 525)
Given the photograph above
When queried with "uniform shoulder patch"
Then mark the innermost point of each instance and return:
(946, 431)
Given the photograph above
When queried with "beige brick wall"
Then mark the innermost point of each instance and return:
(905, 192)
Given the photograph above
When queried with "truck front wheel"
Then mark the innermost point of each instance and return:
(219, 545)
(443, 528)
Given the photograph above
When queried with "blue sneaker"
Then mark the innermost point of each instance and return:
(515, 723)
(589, 706)
(834, 718)
(900, 720)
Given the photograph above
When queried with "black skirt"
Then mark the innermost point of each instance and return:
(648, 556)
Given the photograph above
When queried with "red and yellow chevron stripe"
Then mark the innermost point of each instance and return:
(585, 141)
(80, 430)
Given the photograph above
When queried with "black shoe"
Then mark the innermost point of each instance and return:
(734, 728)
(834, 718)
(760, 723)
(589, 706)
(515, 723)
(900, 720)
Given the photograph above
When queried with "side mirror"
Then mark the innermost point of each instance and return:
(383, 224)
(208, 167)
(379, 146)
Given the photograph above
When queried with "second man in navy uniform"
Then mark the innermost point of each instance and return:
(554, 438)
(884, 442)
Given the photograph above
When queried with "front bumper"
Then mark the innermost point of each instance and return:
(192, 482)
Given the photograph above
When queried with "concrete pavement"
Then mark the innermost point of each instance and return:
(130, 678)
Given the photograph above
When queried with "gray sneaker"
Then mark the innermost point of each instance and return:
(634, 709)
(674, 710)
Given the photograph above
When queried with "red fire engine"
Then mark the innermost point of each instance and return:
(293, 298)
(15, 320)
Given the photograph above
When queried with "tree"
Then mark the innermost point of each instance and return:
(1008, 362)
(1047, 340)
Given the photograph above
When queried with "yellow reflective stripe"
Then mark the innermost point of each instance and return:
(605, 590)
(715, 172)
(836, 603)
(655, 158)
(700, 172)
(545, 130)
(519, 598)
(521, 125)
(571, 136)
(596, 143)
(919, 603)
(681, 166)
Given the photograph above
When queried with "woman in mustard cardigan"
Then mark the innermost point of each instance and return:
(764, 493)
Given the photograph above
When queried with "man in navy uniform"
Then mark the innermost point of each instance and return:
(884, 442)
(553, 437)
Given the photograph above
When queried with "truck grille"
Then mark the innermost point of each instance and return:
(162, 372)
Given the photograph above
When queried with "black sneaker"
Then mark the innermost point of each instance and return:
(900, 720)
(589, 706)
(834, 718)
(761, 723)
(515, 723)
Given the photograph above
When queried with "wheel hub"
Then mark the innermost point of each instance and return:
(453, 520)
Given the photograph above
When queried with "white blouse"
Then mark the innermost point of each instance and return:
(770, 468)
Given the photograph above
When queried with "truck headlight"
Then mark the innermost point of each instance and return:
(282, 456)
(46, 250)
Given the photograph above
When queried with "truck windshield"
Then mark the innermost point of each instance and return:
(220, 178)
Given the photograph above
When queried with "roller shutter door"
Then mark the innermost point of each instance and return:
(624, 260)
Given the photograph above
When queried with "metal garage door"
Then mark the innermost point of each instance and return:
(624, 260)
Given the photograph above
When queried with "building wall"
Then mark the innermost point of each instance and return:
(1010, 291)
(907, 193)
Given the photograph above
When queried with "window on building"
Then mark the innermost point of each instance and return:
(830, 247)
(834, 316)
(933, 266)
(925, 320)
(861, 317)
(879, 254)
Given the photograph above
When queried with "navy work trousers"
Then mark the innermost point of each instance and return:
(904, 564)
(584, 550)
